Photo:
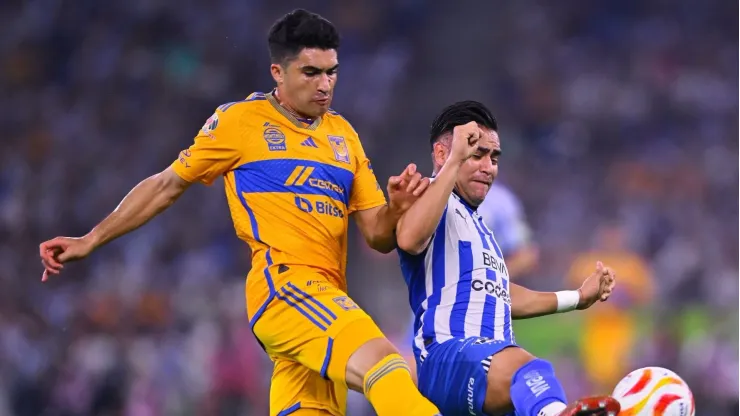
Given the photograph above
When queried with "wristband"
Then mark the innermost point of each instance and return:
(568, 300)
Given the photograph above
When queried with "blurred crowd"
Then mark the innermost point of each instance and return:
(620, 135)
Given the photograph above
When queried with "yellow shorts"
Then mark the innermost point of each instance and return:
(310, 329)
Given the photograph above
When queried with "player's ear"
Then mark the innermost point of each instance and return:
(439, 153)
(277, 73)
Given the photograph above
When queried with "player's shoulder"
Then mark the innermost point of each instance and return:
(235, 116)
(338, 122)
(454, 201)
(457, 211)
(334, 115)
(254, 102)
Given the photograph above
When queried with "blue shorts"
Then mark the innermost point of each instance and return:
(454, 374)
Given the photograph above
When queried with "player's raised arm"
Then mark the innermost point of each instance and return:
(417, 225)
(212, 154)
(527, 303)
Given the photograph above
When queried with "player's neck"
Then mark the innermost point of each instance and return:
(463, 199)
(289, 108)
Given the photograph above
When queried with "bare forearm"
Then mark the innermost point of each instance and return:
(533, 304)
(383, 238)
(527, 303)
(418, 224)
(147, 199)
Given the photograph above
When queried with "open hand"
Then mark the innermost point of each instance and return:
(57, 251)
(405, 189)
(598, 286)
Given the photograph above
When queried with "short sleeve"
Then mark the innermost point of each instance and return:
(215, 151)
(366, 191)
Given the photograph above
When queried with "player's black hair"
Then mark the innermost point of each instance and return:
(298, 30)
(458, 114)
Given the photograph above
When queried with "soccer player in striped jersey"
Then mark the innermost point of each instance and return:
(503, 214)
(468, 361)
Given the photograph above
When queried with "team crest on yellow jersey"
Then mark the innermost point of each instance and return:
(345, 303)
(341, 153)
(274, 137)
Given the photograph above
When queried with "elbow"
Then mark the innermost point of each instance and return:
(384, 248)
(167, 187)
(517, 313)
(381, 244)
(407, 243)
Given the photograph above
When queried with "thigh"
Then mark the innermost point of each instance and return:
(454, 374)
(296, 390)
(308, 321)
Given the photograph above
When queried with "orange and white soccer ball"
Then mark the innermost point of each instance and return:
(654, 391)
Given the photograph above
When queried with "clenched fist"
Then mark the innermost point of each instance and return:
(465, 141)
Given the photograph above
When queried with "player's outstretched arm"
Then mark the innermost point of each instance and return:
(147, 199)
(417, 225)
(216, 149)
(527, 303)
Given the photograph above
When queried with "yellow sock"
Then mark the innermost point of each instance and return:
(391, 391)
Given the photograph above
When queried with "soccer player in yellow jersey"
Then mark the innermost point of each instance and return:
(294, 172)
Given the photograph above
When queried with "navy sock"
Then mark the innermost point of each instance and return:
(534, 386)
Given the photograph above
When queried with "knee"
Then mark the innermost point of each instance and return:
(373, 351)
(365, 358)
(501, 373)
(505, 364)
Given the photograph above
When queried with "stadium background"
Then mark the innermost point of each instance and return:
(618, 122)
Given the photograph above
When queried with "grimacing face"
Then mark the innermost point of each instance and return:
(476, 175)
(306, 83)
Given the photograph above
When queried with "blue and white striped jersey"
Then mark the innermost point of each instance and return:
(459, 286)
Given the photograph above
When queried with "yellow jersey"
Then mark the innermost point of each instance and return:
(290, 187)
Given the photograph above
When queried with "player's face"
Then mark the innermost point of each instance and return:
(477, 174)
(306, 84)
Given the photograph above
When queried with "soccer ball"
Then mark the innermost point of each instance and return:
(654, 391)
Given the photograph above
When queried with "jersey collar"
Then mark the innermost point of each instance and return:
(287, 114)
(464, 202)
(457, 196)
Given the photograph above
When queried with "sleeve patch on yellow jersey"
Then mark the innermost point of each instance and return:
(210, 124)
(345, 303)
